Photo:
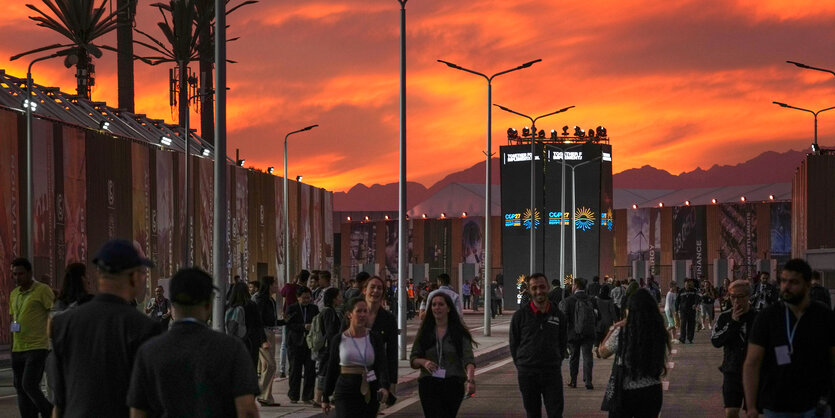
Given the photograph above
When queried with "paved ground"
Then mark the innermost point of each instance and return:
(694, 383)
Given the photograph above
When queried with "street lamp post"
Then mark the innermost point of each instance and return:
(815, 146)
(574, 214)
(562, 209)
(533, 175)
(487, 181)
(402, 237)
(219, 239)
(287, 208)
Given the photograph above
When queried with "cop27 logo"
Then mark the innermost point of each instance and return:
(584, 218)
(526, 218)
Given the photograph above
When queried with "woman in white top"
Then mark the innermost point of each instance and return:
(641, 343)
(356, 378)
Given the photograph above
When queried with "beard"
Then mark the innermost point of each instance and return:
(790, 298)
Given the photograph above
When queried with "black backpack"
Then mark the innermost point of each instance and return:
(585, 319)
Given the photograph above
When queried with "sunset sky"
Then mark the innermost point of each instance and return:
(678, 84)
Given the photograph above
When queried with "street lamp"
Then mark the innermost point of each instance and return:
(808, 67)
(574, 214)
(287, 208)
(815, 147)
(402, 237)
(562, 209)
(533, 173)
(487, 182)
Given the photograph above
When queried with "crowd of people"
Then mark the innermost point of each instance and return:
(108, 355)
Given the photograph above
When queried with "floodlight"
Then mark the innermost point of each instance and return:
(686, 203)
(348, 219)
(815, 147)
(634, 206)
(298, 178)
(526, 131)
(771, 197)
(241, 163)
(512, 134)
(660, 204)
(104, 125)
(33, 103)
(463, 214)
(270, 169)
(553, 134)
(387, 217)
(591, 133)
(206, 153)
(565, 130)
(165, 141)
(742, 199)
(423, 216)
(713, 201)
(542, 133)
(366, 218)
(443, 215)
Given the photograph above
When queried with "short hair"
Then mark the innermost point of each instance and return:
(302, 290)
(798, 265)
(362, 276)
(741, 283)
(159, 286)
(329, 296)
(596, 279)
(580, 283)
(22, 262)
(555, 283)
(352, 303)
(443, 278)
(536, 276)
(303, 275)
(324, 274)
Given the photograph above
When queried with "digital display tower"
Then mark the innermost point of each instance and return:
(592, 224)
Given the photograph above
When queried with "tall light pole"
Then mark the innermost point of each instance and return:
(574, 214)
(402, 238)
(533, 175)
(219, 243)
(487, 181)
(815, 146)
(287, 208)
(562, 209)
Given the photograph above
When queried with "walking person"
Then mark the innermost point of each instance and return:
(193, 370)
(580, 315)
(299, 318)
(731, 334)
(670, 311)
(708, 295)
(331, 320)
(687, 303)
(617, 293)
(357, 377)
(266, 353)
(443, 286)
(252, 328)
(608, 316)
(475, 288)
(465, 294)
(29, 305)
(788, 366)
(106, 327)
(288, 297)
(443, 351)
(640, 344)
(538, 343)
(495, 298)
(384, 326)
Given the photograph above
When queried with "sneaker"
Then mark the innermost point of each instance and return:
(282, 375)
(676, 341)
(572, 384)
(590, 386)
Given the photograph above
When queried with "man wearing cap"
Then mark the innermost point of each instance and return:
(95, 344)
(29, 305)
(192, 370)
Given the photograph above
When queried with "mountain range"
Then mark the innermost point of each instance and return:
(768, 167)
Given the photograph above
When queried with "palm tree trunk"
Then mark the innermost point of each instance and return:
(82, 73)
(207, 114)
(182, 80)
(124, 59)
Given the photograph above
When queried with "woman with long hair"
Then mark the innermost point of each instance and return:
(356, 377)
(443, 350)
(708, 300)
(331, 325)
(266, 310)
(254, 335)
(73, 290)
(640, 344)
(382, 323)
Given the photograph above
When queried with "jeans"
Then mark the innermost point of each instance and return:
(577, 347)
(542, 387)
(466, 301)
(440, 398)
(28, 367)
(282, 362)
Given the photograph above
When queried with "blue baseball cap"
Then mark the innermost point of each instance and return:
(118, 255)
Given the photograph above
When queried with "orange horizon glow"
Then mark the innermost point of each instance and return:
(678, 86)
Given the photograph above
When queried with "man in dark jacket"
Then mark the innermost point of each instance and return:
(537, 346)
(686, 303)
(555, 295)
(579, 310)
(299, 318)
(731, 333)
(593, 288)
(818, 292)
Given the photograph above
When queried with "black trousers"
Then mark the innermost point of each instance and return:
(688, 325)
(27, 367)
(641, 403)
(301, 363)
(542, 387)
(577, 347)
(440, 397)
(348, 402)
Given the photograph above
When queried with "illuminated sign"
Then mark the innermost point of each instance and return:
(569, 156)
(519, 156)
(607, 156)
(606, 219)
(526, 218)
(512, 219)
(584, 218)
(555, 218)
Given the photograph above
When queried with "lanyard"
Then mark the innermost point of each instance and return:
(790, 334)
(304, 313)
(439, 344)
(364, 351)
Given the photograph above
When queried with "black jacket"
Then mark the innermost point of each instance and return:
(334, 370)
(732, 336)
(297, 318)
(821, 294)
(266, 309)
(569, 304)
(687, 300)
(538, 340)
(254, 327)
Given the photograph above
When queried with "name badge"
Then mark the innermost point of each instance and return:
(370, 376)
(15, 326)
(440, 373)
(783, 355)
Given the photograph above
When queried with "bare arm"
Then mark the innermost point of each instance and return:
(751, 376)
(134, 413)
(245, 406)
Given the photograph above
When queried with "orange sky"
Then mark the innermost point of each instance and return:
(679, 85)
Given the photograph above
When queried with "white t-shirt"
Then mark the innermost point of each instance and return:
(356, 351)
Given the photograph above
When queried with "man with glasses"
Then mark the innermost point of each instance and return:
(95, 344)
(731, 333)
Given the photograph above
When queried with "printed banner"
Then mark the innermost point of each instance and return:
(438, 246)
(164, 248)
(739, 237)
(304, 227)
(472, 241)
(75, 197)
(781, 229)
(10, 224)
(654, 253)
(205, 206)
(690, 237)
(392, 242)
(141, 188)
(362, 244)
(43, 201)
(637, 234)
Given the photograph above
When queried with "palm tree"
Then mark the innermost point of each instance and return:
(82, 24)
(180, 25)
(124, 56)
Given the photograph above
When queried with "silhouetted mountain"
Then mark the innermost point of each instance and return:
(768, 167)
